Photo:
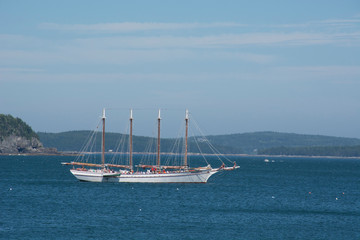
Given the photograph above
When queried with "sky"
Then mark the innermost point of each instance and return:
(238, 66)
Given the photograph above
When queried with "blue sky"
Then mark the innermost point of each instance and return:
(238, 66)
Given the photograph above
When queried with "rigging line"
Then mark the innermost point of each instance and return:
(119, 150)
(219, 153)
(120, 145)
(87, 148)
(87, 143)
(175, 148)
(207, 141)
(215, 151)
(174, 157)
(201, 153)
(145, 158)
(151, 158)
(90, 135)
(178, 147)
(148, 159)
(91, 147)
(196, 142)
(181, 143)
(212, 146)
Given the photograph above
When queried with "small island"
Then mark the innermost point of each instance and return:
(17, 137)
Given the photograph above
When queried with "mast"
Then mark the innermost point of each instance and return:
(186, 136)
(158, 145)
(103, 140)
(131, 122)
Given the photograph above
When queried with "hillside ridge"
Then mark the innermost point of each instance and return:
(17, 137)
(238, 143)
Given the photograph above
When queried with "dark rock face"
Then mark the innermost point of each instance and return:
(17, 137)
(21, 145)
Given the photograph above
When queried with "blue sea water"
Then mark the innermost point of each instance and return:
(290, 198)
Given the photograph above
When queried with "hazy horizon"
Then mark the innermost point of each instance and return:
(154, 135)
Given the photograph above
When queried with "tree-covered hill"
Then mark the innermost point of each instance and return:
(245, 143)
(253, 142)
(17, 137)
(10, 125)
(74, 141)
(336, 151)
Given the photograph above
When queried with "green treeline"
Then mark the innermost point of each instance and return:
(15, 126)
(267, 143)
(337, 151)
(251, 143)
(74, 141)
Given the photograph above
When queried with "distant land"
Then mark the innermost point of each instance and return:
(17, 137)
(257, 143)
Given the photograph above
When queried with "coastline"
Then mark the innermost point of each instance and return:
(39, 154)
(190, 154)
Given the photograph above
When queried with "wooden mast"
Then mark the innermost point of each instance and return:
(186, 136)
(158, 145)
(103, 140)
(131, 122)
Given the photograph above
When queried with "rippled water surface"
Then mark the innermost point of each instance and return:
(285, 198)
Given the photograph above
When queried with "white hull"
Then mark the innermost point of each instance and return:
(142, 177)
(92, 175)
(182, 177)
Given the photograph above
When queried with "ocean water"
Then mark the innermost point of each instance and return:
(285, 198)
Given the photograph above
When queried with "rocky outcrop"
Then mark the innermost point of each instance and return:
(16, 137)
(20, 145)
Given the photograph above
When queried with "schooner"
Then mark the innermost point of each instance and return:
(158, 173)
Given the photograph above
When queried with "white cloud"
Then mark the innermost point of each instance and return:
(336, 21)
(21, 70)
(321, 24)
(135, 26)
(26, 54)
(229, 38)
(221, 41)
(335, 73)
(128, 27)
(133, 78)
(138, 49)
